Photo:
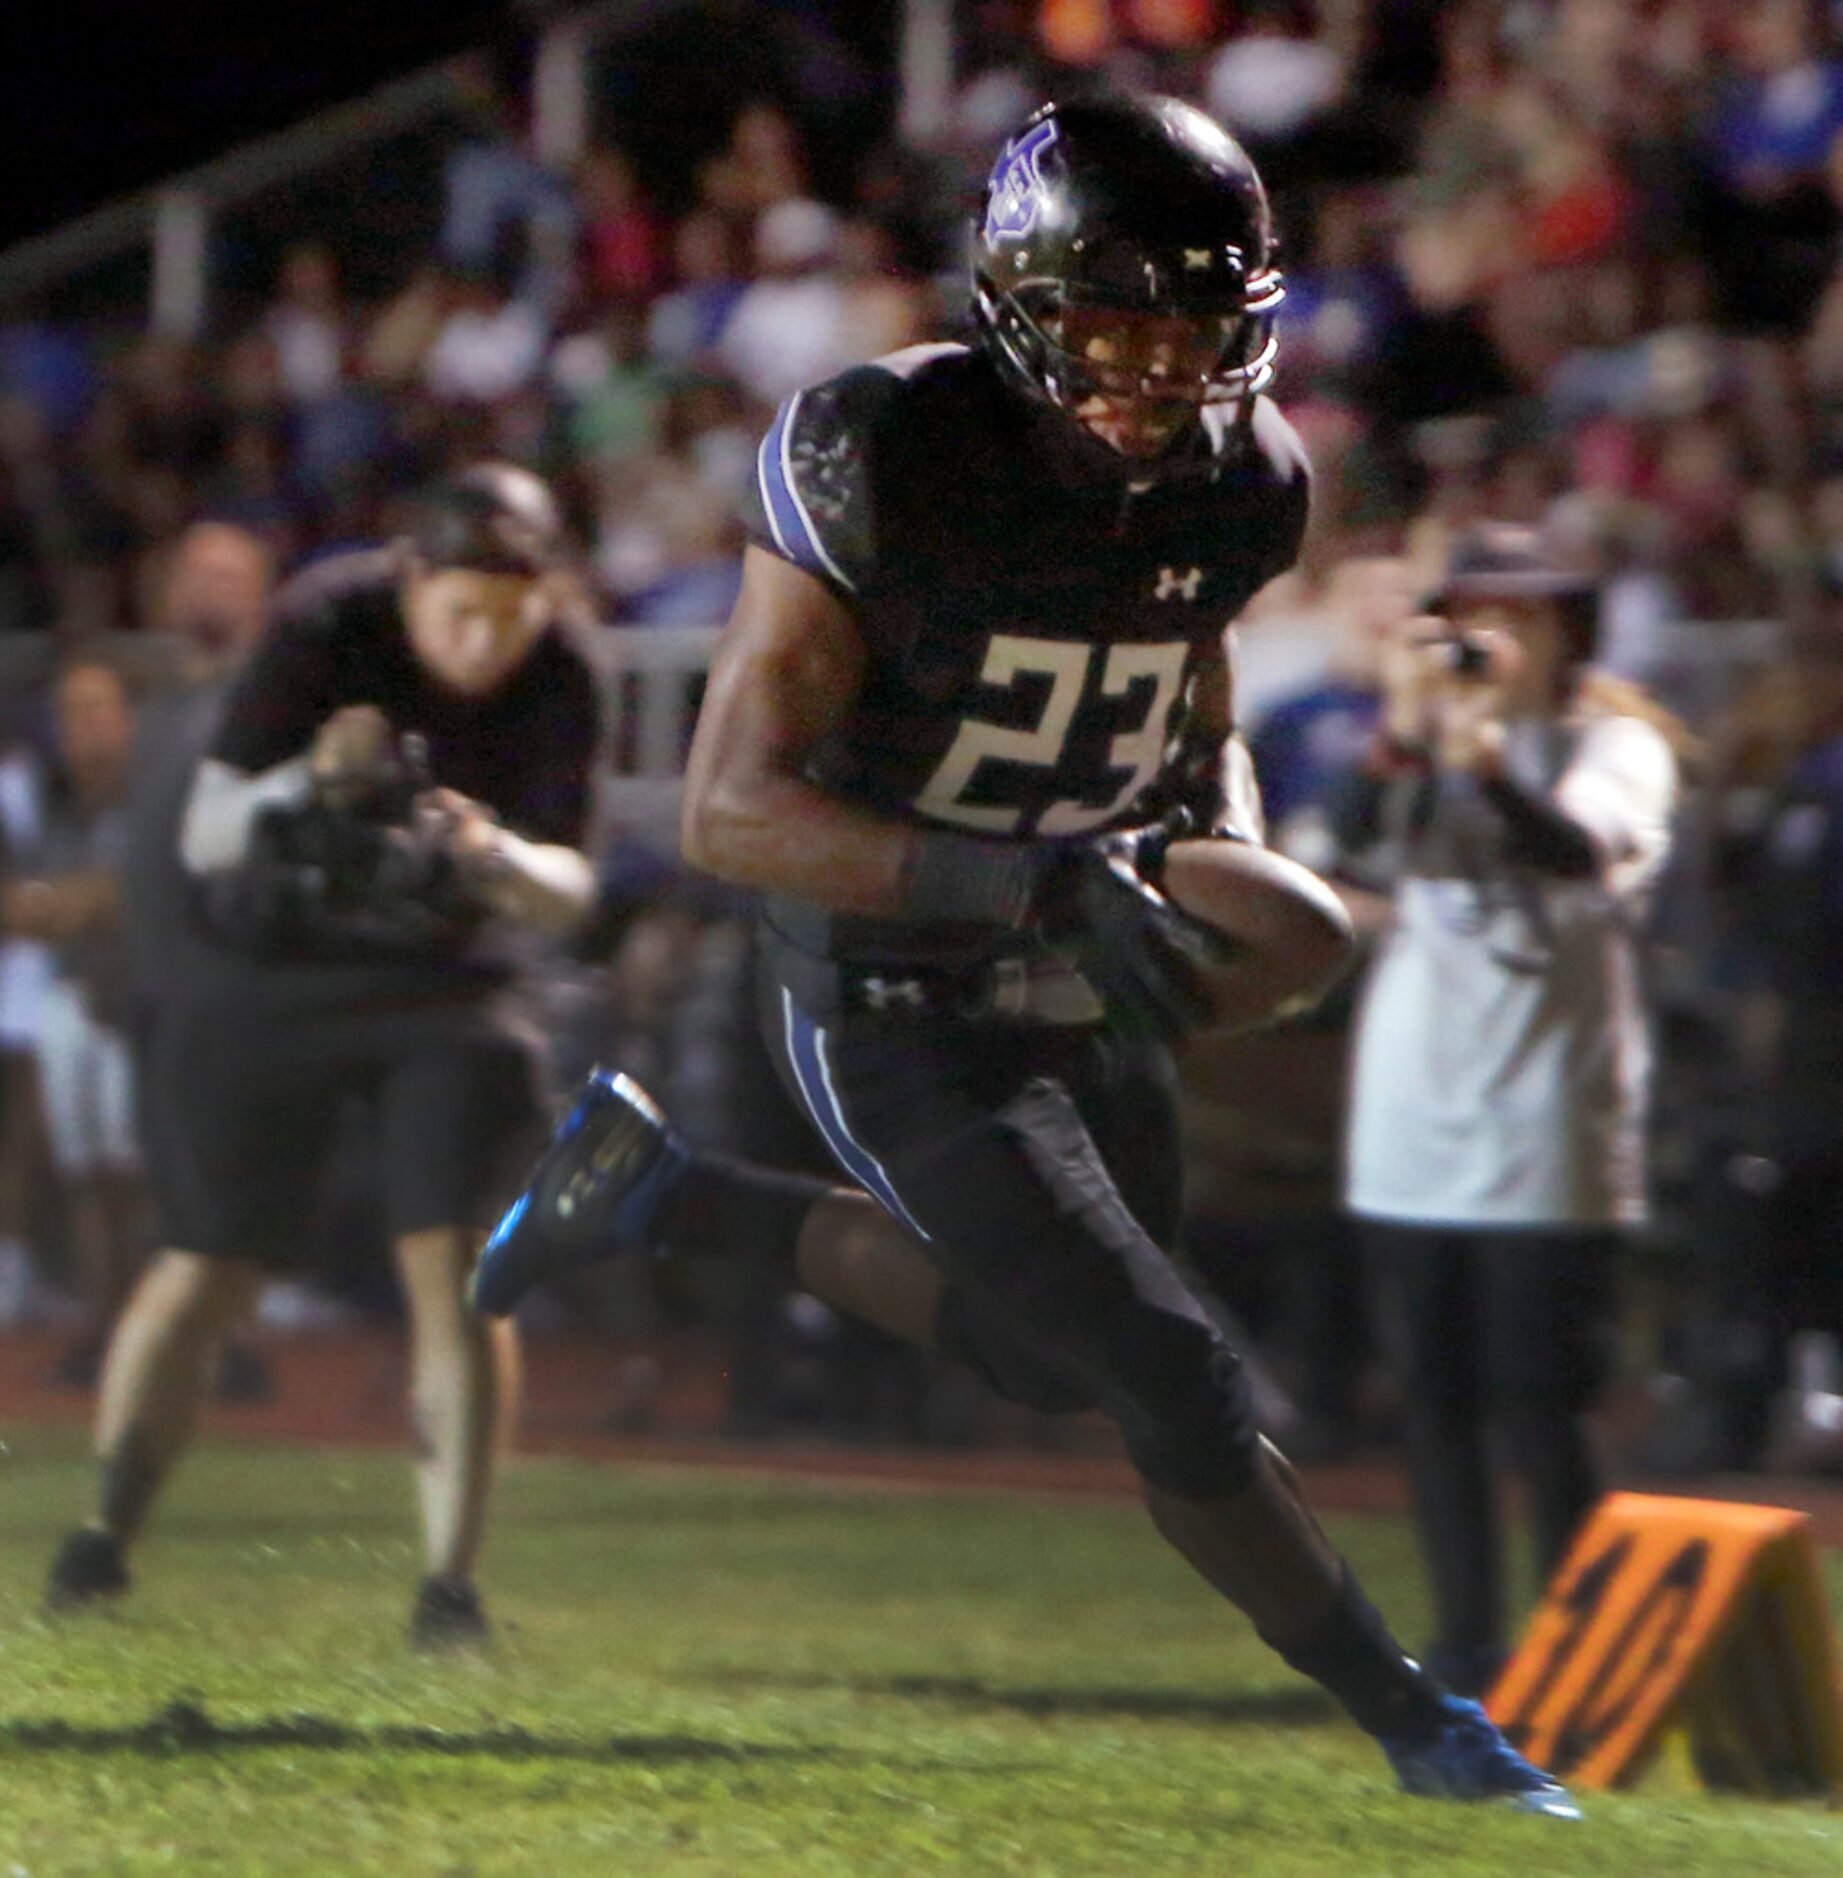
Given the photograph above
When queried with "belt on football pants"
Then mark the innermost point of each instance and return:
(1034, 991)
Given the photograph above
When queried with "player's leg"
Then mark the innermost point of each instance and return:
(154, 1377)
(834, 1242)
(977, 1143)
(1261, 1548)
(1094, 1315)
(1432, 1325)
(453, 1106)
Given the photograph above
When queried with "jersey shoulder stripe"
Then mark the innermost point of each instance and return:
(789, 519)
(818, 468)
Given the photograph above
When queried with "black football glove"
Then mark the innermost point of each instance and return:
(1145, 955)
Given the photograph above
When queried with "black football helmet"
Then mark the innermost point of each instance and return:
(1139, 208)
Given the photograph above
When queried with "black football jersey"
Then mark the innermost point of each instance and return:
(1035, 625)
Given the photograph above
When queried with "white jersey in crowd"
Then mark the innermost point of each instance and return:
(1501, 1063)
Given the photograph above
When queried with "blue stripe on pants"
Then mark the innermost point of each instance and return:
(806, 1052)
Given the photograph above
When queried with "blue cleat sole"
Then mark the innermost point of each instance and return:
(1470, 1760)
(591, 1197)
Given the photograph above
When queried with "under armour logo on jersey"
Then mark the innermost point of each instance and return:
(881, 993)
(1197, 260)
(1175, 586)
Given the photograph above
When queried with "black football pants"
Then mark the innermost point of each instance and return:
(1040, 1166)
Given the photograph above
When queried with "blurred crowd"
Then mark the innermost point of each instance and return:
(1562, 261)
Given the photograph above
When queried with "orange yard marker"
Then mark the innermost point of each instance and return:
(1673, 1614)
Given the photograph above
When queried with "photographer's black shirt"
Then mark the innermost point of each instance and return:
(338, 638)
(526, 751)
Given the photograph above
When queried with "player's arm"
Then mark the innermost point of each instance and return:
(1291, 933)
(789, 670)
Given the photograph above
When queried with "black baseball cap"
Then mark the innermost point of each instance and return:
(493, 518)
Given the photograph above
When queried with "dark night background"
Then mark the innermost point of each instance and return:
(98, 99)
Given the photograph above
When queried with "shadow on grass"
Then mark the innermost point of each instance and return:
(185, 1728)
(1298, 1707)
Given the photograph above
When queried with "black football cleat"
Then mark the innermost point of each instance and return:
(448, 1615)
(593, 1196)
(88, 1570)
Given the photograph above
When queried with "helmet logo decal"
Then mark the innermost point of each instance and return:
(1015, 198)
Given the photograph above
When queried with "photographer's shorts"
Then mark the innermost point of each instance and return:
(248, 1107)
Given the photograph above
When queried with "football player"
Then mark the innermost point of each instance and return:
(969, 736)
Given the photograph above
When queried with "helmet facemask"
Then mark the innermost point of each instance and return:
(1138, 377)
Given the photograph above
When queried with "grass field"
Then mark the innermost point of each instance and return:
(704, 1675)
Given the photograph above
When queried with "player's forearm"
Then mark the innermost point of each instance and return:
(780, 835)
(777, 834)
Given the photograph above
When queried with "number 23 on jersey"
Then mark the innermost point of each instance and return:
(1065, 663)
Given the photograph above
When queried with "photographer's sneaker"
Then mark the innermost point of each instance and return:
(593, 1196)
(1469, 1759)
(448, 1615)
(88, 1569)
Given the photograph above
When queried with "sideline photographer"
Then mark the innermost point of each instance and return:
(395, 798)
(1522, 800)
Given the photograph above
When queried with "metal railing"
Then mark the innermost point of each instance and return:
(172, 217)
(652, 681)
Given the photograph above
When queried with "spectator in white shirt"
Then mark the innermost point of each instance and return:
(1274, 78)
(307, 324)
(789, 328)
(1496, 1128)
(491, 344)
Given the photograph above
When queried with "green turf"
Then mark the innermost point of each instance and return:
(700, 1675)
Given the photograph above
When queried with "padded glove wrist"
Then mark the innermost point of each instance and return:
(960, 878)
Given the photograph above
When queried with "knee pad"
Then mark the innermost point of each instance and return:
(1198, 1439)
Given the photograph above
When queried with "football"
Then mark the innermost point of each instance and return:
(1296, 933)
